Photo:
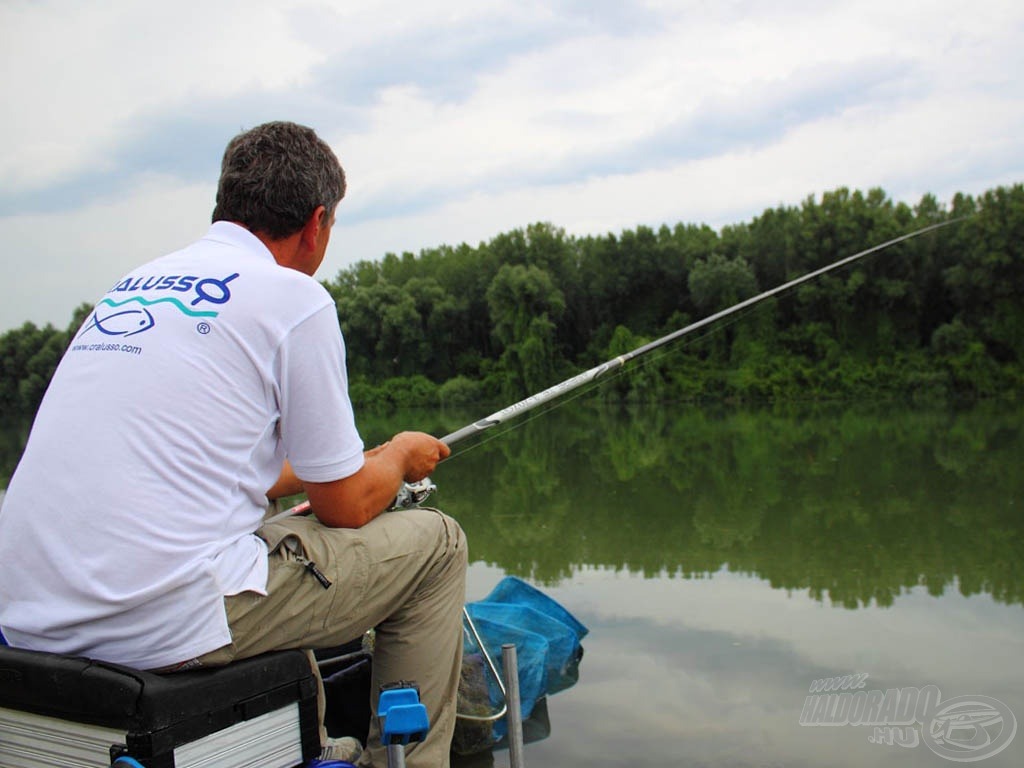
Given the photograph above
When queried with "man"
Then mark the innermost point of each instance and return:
(204, 383)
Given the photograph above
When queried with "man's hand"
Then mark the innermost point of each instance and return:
(422, 453)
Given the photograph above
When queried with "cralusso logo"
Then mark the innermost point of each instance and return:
(131, 315)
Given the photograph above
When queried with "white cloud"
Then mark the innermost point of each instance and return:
(56, 263)
(909, 153)
(457, 121)
(590, 97)
(86, 74)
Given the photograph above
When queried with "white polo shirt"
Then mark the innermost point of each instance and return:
(133, 510)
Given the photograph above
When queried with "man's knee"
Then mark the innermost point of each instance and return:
(451, 539)
(455, 537)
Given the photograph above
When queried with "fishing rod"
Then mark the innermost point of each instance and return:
(412, 494)
(580, 379)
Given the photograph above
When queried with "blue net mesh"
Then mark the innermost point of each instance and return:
(547, 640)
(548, 643)
(518, 592)
(531, 660)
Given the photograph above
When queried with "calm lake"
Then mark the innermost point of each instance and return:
(725, 560)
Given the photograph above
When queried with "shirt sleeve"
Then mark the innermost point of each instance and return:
(318, 429)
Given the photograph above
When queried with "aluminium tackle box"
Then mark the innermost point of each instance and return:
(70, 712)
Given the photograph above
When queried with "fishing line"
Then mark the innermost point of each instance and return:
(672, 348)
(603, 370)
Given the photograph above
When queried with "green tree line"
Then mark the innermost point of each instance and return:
(940, 315)
(28, 358)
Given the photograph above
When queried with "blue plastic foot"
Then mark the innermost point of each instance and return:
(403, 718)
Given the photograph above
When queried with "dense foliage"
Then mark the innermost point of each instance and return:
(28, 358)
(940, 315)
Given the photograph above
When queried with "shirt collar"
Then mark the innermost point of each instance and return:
(229, 233)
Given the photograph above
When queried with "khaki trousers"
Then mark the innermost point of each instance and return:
(403, 573)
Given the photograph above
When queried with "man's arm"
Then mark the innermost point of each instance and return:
(287, 484)
(355, 500)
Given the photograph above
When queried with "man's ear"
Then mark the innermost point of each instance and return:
(311, 229)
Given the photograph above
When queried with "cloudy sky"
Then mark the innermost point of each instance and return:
(459, 120)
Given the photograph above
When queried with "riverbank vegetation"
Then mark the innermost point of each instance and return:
(939, 316)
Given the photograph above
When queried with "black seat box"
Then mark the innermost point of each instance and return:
(72, 712)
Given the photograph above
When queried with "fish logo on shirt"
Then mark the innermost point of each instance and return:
(124, 322)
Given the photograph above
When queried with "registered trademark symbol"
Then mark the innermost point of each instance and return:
(203, 328)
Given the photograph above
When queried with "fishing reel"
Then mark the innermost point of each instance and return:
(413, 494)
(409, 495)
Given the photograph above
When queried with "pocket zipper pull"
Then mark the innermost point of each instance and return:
(317, 574)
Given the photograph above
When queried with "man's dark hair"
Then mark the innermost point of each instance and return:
(274, 176)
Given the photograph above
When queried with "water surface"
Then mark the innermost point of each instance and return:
(725, 559)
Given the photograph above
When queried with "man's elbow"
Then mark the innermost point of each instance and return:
(351, 516)
(353, 501)
(337, 509)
